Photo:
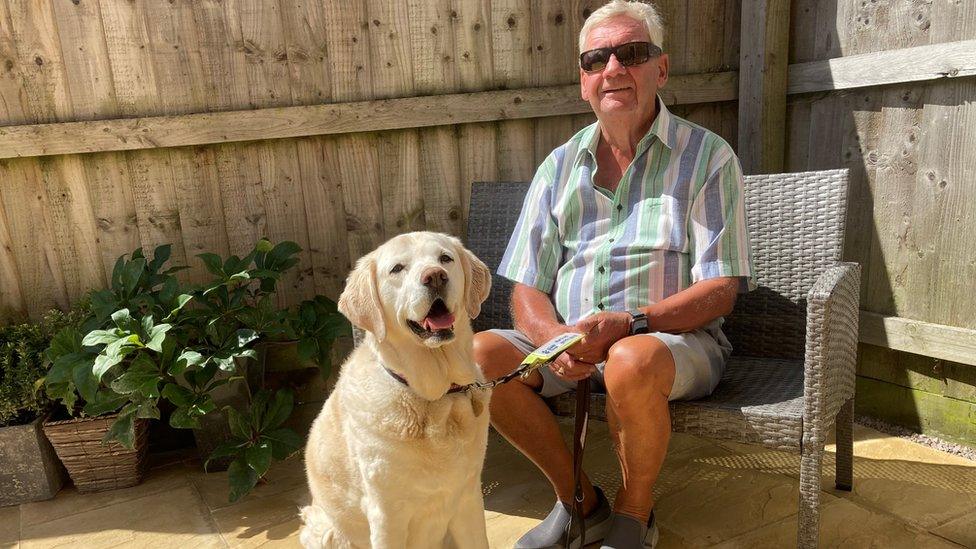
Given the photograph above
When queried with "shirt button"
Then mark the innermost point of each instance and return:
(601, 269)
(620, 207)
(599, 306)
(611, 240)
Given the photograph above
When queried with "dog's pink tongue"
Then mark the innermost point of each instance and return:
(439, 321)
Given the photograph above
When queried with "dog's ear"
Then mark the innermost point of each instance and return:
(477, 282)
(360, 300)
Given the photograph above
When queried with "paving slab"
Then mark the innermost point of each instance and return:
(174, 518)
(843, 525)
(9, 526)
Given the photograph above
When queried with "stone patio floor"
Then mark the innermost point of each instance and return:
(710, 494)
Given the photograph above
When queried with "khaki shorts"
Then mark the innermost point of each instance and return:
(699, 361)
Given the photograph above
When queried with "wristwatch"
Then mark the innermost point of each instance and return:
(638, 323)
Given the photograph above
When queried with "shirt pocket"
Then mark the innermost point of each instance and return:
(663, 224)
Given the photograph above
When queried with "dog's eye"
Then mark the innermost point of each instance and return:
(446, 258)
(396, 268)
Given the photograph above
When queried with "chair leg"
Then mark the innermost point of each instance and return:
(811, 465)
(845, 446)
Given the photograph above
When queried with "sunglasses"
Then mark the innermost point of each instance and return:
(629, 54)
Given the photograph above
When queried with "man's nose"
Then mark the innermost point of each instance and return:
(434, 278)
(614, 66)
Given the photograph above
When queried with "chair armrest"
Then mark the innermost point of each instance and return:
(831, 345)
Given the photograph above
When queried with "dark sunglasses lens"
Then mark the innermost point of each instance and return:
(633, 53)
(595, 60)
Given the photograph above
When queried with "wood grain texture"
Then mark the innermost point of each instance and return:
(921, 338)
(301, 121)
(762, 85)
(916, 64)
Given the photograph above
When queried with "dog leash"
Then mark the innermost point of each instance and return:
(533, 361)
(581, 418)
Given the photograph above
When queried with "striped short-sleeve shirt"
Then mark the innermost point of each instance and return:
(677, 217)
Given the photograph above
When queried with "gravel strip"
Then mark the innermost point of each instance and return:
(926, 440)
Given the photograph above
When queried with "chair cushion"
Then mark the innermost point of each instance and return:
(759, 401)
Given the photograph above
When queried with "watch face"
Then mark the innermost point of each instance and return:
(639, 324)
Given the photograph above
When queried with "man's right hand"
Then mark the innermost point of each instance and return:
(568, 368)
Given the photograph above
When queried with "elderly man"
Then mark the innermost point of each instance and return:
(633, 232)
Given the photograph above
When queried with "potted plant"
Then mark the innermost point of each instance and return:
(240, 299)
(31, 469)
(107, 374)
(197, 348)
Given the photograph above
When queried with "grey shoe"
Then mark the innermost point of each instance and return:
(628, 533)
(548, 534)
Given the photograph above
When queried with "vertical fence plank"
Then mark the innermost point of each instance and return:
(308, 60)
(69, 212)
(553, 62)
(265, 50)
(440, 176)
(12, 305)
(399, 151)
(179, 73)
(225, 87)
(945, 184)
(348, 45)
(762, 85)
(39, 266)
(150, 171)
(92, 97)
(475, 151)
(433, 28)
(13, 102)
(511, 39)
(66, 211)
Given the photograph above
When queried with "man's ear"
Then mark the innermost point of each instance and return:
(664, 70)
(477, 282)
(360, 300)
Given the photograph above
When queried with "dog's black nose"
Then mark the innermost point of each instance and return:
(434, 278)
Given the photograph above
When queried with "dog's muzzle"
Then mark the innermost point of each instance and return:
(439, 322)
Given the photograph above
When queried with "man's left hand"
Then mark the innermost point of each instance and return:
(602, 331)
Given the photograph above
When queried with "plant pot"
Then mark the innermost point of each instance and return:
(29, 468)
(93, 465)
(214, 427)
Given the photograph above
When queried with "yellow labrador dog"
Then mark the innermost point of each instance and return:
(394, 459)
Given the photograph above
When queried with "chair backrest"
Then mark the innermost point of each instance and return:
(796, 227)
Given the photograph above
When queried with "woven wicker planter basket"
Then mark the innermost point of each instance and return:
(94, 466)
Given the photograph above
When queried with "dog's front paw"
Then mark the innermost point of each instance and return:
(317, 531)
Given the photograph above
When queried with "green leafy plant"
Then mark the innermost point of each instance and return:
(23, 365)
(118, 359)
(150, 338)
(257, 436)
(317, 325)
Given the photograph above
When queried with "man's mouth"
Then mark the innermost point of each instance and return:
(439, 322)
(612, 90)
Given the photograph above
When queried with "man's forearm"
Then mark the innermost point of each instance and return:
(694, 306)
(534, 315)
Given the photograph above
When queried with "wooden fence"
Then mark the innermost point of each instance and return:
(209, 124)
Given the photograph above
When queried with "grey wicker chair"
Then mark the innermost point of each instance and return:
(791, 374)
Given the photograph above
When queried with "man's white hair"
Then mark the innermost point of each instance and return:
(638, 11)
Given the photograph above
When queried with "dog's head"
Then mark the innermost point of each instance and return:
(414, 287)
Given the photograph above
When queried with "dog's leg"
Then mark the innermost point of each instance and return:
(467, 529)
(388, 526)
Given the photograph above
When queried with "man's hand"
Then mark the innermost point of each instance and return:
(602, 331)
(570, 369)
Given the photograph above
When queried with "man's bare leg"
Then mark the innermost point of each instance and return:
(639, 375)
(523, 418)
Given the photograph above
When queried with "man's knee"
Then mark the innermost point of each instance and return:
(495, 355)
(639, 365)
